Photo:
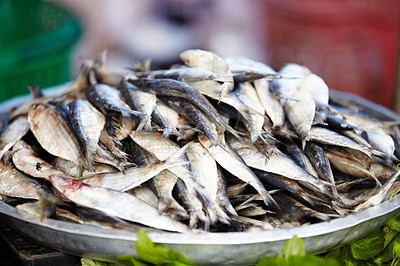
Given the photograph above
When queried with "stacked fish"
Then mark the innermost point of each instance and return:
(211, 144)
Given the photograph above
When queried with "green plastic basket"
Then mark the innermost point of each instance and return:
(35, 43)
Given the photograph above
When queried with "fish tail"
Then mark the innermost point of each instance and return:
(222, 216)
(269, 200)
(144, 123)
(176, 158)
(171, 207)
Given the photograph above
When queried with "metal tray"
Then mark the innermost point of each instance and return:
(238, 248)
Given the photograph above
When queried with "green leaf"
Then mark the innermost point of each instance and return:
(392, 234)
(90, 262)
(341, 255)
(130, 260)
(157, 254)
(268, 261)
(394, 223)
(396, 248)
(293, 247)
(310, 260)
(369, 246)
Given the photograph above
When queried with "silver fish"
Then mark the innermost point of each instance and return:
(300, 112)
(246, 69)
(321, 164)
(88, 124)
(107, 98)
(54, 133)
(271, 104)
(232, 162)
(317, 87)
(279, 163)
(379, 194)
(192, 204)
(185, 74)
(134, 176)
(13, 133)
(164, 183)
(28, 162)
(326, 136)
(204, 168)
(293, 76)
(139, 100)
(123, 205)
(167, 118)
(14, 183)
(212, 62)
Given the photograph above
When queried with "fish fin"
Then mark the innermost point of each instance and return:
(171, 207)
(144, 123)
(35, 91)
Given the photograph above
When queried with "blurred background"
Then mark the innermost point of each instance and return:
(352, 45)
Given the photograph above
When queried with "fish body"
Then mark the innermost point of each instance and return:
(14, 183)
(232, 162)
(28, 162)
(13, 133)
(88, 124)
(54, 133)
(141, 101)
(107, 98)
(167, 118)
(123, 205)
(134, 176)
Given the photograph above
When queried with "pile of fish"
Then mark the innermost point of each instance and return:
(210, 144)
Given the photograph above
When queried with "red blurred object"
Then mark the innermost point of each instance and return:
(351, 44)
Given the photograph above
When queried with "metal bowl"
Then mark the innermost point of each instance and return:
(239, 248)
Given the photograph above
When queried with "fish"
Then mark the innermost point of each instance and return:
(185, 74)
(318, 89)
(118, 127)
(103, 74)
(139, 100)
(379, 193)
(27, 161)
(54, 133)
(107, 98)
(163, 184)
(281, 164)
(146, 195)
(167, 118)
(123, 205)
(204, 168)
(271, 104)
(293, 76)
(212, 62)
(321, 164)
(347, 164)
(284, 183)
(13, 133)
(329, 137)
(300, 113)
(134, 176)
(299, 157)
(222, 193)
(380, 140)
(234, 164)
(87, 123)
(197, 118)
(245, 69)
(44, 208)
(170, 87)
(251, 118)
(192, 204)
(14, 183)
